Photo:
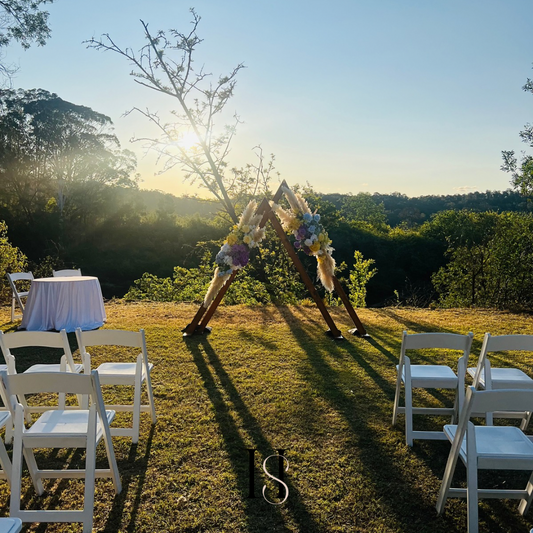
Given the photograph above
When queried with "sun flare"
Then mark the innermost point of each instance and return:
(187, 140)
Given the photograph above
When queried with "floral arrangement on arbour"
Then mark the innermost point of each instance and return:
(309, 234)
(234, 254)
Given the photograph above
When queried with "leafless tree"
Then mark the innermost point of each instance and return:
(166, 65)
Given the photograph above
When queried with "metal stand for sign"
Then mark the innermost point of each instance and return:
(199, 323)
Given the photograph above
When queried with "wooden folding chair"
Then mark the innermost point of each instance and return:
(429, 377)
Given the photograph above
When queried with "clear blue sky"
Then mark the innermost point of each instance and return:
(415, 96)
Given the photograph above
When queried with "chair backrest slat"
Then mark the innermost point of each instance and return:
(67, 272)
(509, 343)
(24, 339)
(487, 401)
(110, 337)
(450, 341)
(59, 382)
(37, 339)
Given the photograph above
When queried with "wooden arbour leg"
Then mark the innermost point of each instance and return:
(333, 331)
(359, 328)
(206, 313)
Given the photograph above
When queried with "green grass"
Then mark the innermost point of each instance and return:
(268, 378)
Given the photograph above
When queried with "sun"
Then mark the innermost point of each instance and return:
(187, 140)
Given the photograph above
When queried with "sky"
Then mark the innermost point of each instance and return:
(412, 96)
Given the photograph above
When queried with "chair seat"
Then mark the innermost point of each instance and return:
(505, 378)
(432, 376)
(51, 368)
(496, 441)
(117, 373)
(58, 423)
(4, 417)
(10, 525)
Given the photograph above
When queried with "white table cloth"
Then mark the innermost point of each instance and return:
(64, 303)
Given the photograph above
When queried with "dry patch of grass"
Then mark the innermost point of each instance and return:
(268, 378)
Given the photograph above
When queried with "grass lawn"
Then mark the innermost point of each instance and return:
(269, 379)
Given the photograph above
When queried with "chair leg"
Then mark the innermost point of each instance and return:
(137, 402)
(524, 505)
(471, 481)
(13, 309)
(5, 461)
(150, 396)
(397, 398)
(90, 467)
(16, 469)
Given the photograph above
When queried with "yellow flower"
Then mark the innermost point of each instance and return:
(294, 224)
(315, 246)
(247, 239)
(232, 239)
(246, 228)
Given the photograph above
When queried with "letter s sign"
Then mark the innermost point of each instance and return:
(279, 480)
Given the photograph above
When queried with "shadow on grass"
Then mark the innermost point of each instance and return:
(236, 447)
(403, 500)
(131, 481)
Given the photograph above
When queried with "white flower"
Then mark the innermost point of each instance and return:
(225, 248)
(308, 242)
(313, 237)
(228, 260)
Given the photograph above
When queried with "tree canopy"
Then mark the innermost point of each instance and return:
(51, 147)
(521, 170)
(25, 22)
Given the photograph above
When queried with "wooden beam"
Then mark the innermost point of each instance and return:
(359, 328)
(216, 302)
(335, 333)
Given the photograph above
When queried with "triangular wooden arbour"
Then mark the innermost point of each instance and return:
(204, 314)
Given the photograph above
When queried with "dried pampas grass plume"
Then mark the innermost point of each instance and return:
(326, 271)
(216, 284)
(248, 214)
(285, 217)
(298, 203)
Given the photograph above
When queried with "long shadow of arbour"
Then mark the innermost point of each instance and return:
(381, 455)
(260, 515)
(133, 476)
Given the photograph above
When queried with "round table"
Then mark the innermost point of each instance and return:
(64, 303)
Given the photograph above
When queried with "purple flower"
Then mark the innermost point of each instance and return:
(297, 244)
(240, 255)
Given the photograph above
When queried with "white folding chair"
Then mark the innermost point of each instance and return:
(18, 295)
(429, 377)
(486, 377)
(40, 339)
(67, 272)
(488, 448)
(122, 373)
(82, 428)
